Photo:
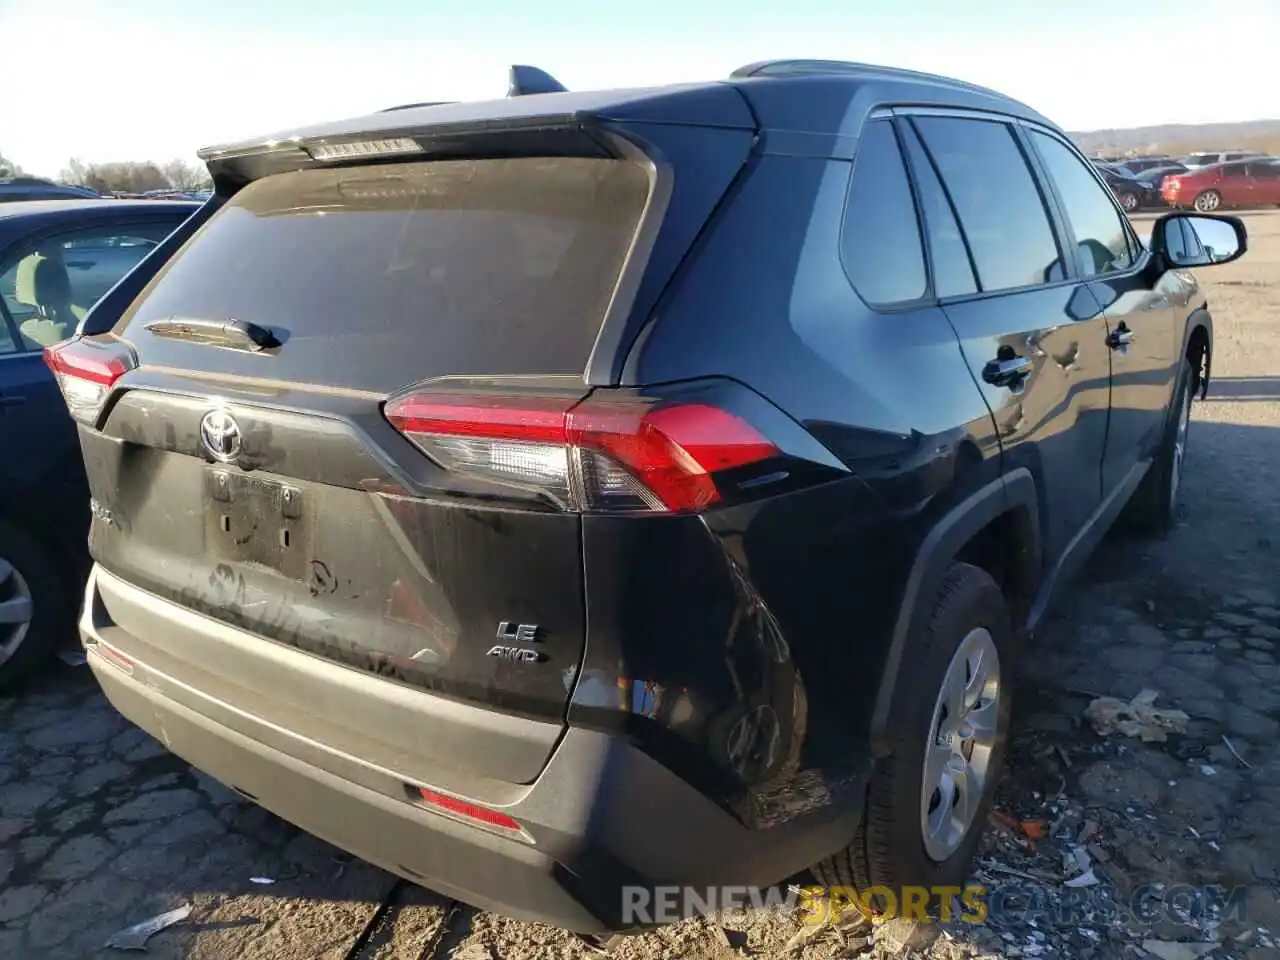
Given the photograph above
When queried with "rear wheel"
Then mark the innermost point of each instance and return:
(927, 803)
(35, 610)
(1129, 201)
(1155, 502)
(1208, 201)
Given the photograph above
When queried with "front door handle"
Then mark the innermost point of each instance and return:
(1007, 371)
(12, 399)
(1121, 336)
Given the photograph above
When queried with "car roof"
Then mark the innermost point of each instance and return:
(54, 208)
(795, 96)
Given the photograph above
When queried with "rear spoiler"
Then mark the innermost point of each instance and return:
(538, 117)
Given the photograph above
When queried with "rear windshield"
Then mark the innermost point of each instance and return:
(374, 277)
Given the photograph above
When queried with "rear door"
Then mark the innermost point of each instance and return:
(1266, 180)
(1033, 336)
(261, 483)
(1235, 185)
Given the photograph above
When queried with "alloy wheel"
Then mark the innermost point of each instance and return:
(962, 737)
(16, 609)
(1208, 201)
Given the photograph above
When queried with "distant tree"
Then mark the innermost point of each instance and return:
(8, 168)
(126, 177)
(76, 172)
(185, 176)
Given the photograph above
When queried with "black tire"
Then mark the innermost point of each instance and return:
(1207, 201)
(1129, 202)
(1153, 507)
(888, 849)
(53, 615)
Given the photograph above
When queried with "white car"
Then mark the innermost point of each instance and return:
(1197, 160)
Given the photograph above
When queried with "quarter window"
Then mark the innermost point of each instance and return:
(881, 245)
(1101, 240)
(996, 199)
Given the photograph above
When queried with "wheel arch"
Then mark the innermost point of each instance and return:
(996, 524)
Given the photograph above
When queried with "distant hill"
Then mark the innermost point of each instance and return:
(1183, 138)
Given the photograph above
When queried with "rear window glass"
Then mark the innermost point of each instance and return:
(378, 276)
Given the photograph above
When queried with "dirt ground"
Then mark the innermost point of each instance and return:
(1103, 846)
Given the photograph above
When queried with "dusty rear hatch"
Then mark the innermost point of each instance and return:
(263, 486)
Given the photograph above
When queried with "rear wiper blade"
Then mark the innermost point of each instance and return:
(241, 334)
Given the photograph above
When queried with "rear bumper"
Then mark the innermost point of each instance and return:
(600, 817)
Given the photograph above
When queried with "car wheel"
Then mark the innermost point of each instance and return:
(1208, 201)
(35, 610)
(1129, 201)
(1154, 504)
(927, 803)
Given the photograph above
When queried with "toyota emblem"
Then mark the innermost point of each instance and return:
(220, 435)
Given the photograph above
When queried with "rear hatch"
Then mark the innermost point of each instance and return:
(242, 455)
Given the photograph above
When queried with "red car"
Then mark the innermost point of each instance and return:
(1241, 183)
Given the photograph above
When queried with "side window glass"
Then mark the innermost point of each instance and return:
(952, 272)
(996, 198)
(51, 284)
(1102, 244)
(880, 245)
(7, 344)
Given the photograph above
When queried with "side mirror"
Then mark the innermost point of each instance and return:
(1199, 240)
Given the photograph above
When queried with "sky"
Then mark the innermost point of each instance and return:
(155, 80)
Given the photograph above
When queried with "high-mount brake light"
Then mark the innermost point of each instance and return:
(86, 370)
(363, 149)
(597, 455)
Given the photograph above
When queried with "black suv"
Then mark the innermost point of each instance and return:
(582, 491)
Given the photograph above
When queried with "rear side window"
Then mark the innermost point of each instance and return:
(1102, 244)
(380, 276)
(997, 200)
(881, 245)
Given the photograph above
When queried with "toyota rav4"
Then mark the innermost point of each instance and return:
(586, 491)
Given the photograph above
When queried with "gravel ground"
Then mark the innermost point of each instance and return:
(101, 828)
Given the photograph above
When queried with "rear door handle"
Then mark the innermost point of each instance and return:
(1007, 371)
(1120, 337)
(12, 399)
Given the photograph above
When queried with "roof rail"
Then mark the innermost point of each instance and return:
(421, 103)
(799, 68)
(525, 80)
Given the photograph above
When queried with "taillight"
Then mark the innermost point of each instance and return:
(600, 455)
(455, 807)
(86, 371)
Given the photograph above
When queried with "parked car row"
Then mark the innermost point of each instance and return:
(527, 496)
(1204, 186)
(1143, 163)
(37, 188)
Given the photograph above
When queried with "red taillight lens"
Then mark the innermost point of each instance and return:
(609, 455)
(465, 810)
(86, 371)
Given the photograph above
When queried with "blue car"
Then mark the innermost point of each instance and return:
(16, 189)
(57, 259)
